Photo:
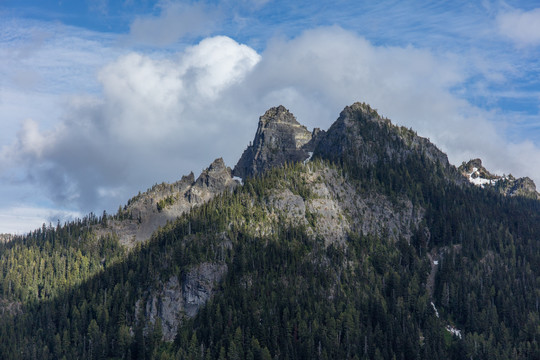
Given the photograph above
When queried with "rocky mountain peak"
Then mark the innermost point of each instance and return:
(476, 172)
(362, 108)
(476, 163)
(216, 177)
(280, 138)
(363, 137)
(507, 185)
(164, 202)
(278, 114)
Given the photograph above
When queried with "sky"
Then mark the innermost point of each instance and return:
(101, 99)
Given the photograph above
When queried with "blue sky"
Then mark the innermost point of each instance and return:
(101, 99)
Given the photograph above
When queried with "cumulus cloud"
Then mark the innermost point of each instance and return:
(161, 117)
(522, 27)
(174, 21)
(149, 125)
(323, 70)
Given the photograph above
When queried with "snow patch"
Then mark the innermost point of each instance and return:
(310, 153)
(434, 308)
(239, 179)
(436, 262)
(453, 330)
(480, 181)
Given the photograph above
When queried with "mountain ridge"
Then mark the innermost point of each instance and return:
(146, 212)
(374, 247)
(330, 199)
(507, 185)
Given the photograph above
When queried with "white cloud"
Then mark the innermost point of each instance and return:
(148, 99)
(216, 63)
(323, 70)
(522, 27)
(22, 219)
(31, 140)
(175, 21)
(159, 117)
(154, 116)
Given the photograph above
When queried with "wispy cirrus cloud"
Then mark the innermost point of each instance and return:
(522, 27)
(175, 21)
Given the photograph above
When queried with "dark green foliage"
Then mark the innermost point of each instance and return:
(163, 203)
(286, 295)
(48, 261)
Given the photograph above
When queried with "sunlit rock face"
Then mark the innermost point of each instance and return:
(279, 139)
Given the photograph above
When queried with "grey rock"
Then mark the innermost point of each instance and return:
(167, 305)
(335, 208)
(524, 186)
(508, 185)
(475, 169)
(279, 139)
(143, 215)
(198, 285)
(173, 300)
(362, 136)
(215, 179)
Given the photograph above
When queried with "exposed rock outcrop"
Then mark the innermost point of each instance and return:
(477, 174)
(362, 136)
(507, 185)
(279, 139)
(147, 211)
(334, 209)
(198, 285)
(175, 299)
(215, 179)
(524, 186)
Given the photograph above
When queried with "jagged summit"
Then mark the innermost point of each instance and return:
(213, 180)
(216, 175)
(359, 136)
(379, 233)
(164, 202)
(507, 185)
(278, 114)
(363, 137)
(280, 138)
(477, 174)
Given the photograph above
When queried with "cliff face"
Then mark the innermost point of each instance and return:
(333, 208)
(177, 298)
(279, 139)
(524, 186)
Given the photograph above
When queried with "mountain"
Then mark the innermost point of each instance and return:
(361, 137)
(506, 185)
(372, 247)
(145, 212)
(279, 139)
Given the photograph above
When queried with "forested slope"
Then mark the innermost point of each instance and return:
(429, 267)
